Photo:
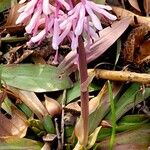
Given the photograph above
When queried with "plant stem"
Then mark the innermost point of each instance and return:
(83, 90)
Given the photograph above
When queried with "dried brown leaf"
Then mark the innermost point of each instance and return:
(123, 13)
(31, 100)
(147, 7)
(16, 126)
(134, 3)
(135, 50)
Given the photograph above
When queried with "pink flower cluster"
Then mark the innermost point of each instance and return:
(62, 19)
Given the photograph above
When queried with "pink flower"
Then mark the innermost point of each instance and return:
(63, 20)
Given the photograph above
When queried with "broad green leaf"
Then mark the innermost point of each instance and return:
(4, 4)
(134, 119)
(36, 78)
(13, 143)
(75, 91)
(137, 139)
(130, 98)
(106, 132)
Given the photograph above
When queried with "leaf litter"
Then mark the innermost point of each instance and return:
(34, 109)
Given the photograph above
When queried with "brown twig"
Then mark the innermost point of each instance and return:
(121, 75)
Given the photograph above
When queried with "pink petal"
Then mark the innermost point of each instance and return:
(95, 19)
(65, 33)
(72, 11)
(70, 18)
(91, 32)
(33, 21)
(30, 6)
(79, 26)
(74, 43)
(39, 36)
(55, 34)
(103, 12)
(65, 4)
(46, 8)
(21, 17)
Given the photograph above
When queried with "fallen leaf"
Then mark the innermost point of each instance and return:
(123, 13)
(134, 3)
(31, 100)
(16, 126)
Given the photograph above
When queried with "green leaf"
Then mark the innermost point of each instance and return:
(75, 91)
(48, 124)
(36, 78)
(130, 98)
(137, 139)
(4, 4)
(113, 116)
(6, 105)
(13, 143)
(25, 109)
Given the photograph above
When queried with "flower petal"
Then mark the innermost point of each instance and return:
(64, 33)
(39, 36)
(79, 27)
(46, 8)
(95, 19)
(55, 34)
(103, 12)
(65, 4)
(33, 21)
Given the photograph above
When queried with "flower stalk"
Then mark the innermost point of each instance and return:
(84, 94)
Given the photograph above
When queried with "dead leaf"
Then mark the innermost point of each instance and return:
(74, 106)
(134, 3)
(135, 49)
(31, 100)
(147, 7)
(123, 13)
(16, 126)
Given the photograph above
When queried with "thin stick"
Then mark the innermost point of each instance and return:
(62, 118)
(121, 75)
(58, 135)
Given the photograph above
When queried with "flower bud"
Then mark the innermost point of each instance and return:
(52, 106)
